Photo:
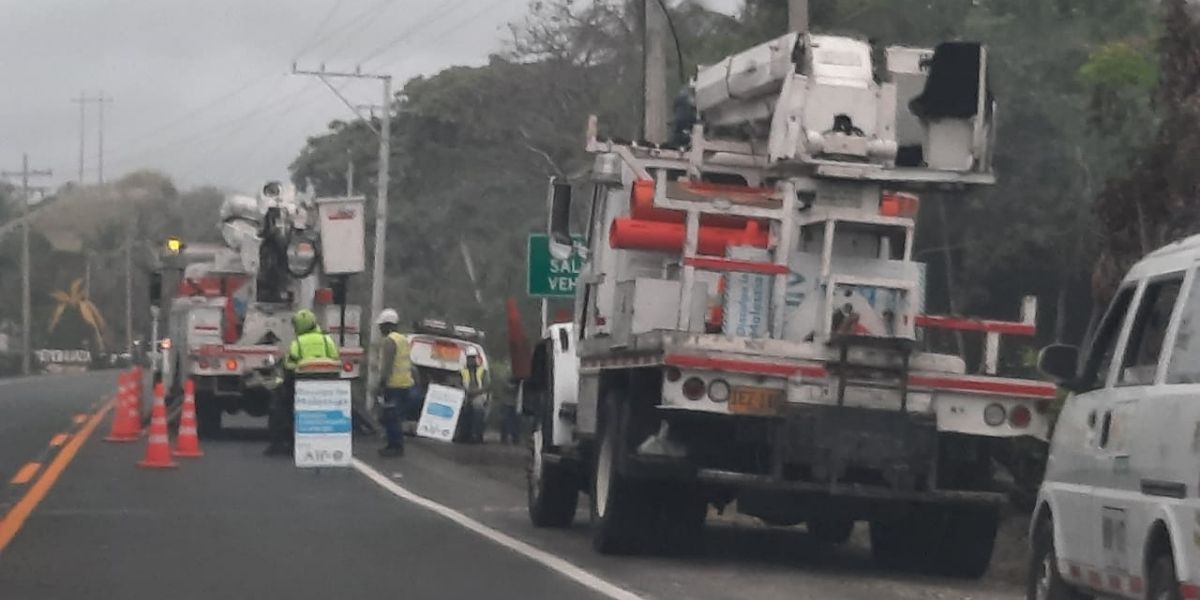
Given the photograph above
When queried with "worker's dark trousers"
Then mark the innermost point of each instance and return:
(510, 424)
(395, 404)
(283, 410)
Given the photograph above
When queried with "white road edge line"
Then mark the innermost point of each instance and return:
(570, 570)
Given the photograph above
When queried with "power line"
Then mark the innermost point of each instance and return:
(321, 23)
(207, 129)
(247, 85)
(457, 25)
(430, 17)
(188, 117)
(215, 132)
(340, 28)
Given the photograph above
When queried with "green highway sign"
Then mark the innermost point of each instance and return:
(546, 276)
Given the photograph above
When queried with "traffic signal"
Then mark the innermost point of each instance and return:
(175, 245)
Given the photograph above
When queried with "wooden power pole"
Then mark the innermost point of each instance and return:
(26, 307)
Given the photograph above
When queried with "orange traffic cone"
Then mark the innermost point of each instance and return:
(127, 419)
(187, 443)
(158, 450)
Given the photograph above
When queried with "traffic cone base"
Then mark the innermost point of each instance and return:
(187, 442)
(158, 443)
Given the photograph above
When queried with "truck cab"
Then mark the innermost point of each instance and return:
(1119, 506)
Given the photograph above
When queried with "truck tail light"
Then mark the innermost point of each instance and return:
(693, 388)
(673, 374)
(994, 415)
(718, 390)
(1019, 417)
(231, 364)
(202, 363)
(348, 366)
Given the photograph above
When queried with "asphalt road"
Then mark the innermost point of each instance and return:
(446, 521)
(35, 410)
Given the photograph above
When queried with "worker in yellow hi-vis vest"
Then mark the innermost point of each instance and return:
(310, 345)
(396, 381)
(475, 383)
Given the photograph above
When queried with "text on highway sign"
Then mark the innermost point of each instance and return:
(547, 276)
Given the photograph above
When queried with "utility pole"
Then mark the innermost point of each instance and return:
(26, 308)
(349, 174)
(129, 294)
(87, 276)
(381, 194)
(654, 70)
(82, 101)
(798, 15)
(100, 100)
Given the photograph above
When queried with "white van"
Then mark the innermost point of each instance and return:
(1119, 511)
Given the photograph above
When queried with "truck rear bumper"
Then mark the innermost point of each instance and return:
(767, 483)
(677, 470)
(824, 451)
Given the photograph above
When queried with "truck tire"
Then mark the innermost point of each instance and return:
(1163, 583)
(621, 508)
(1044, 581)
(968, 534)
(553, 494)
(831, 530)
(892, 543)
(208, 415)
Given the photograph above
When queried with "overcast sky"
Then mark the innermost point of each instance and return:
(201, 88)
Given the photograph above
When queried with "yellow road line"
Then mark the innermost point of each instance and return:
(15, 519)
(26, 473)
(59, 440)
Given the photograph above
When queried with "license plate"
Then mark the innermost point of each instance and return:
(755, 401)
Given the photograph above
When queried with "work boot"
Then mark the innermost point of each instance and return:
(391, 451)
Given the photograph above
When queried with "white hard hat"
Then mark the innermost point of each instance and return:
(471, 351)
(387, 315)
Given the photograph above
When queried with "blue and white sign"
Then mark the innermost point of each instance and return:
(747, 297)
(323, 423)
(439, 417)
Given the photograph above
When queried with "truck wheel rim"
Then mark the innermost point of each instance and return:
(535, 472)
(1044, 577)
(603, 476)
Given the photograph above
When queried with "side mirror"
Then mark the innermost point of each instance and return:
(155, 288)
(1060, 362)
(560, 220)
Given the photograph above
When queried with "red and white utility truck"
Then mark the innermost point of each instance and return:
(749, 321)
(229, 316)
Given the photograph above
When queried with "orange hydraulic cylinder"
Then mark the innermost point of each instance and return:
(637, 234)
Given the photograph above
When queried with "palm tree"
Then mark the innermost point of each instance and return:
(76, 299)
